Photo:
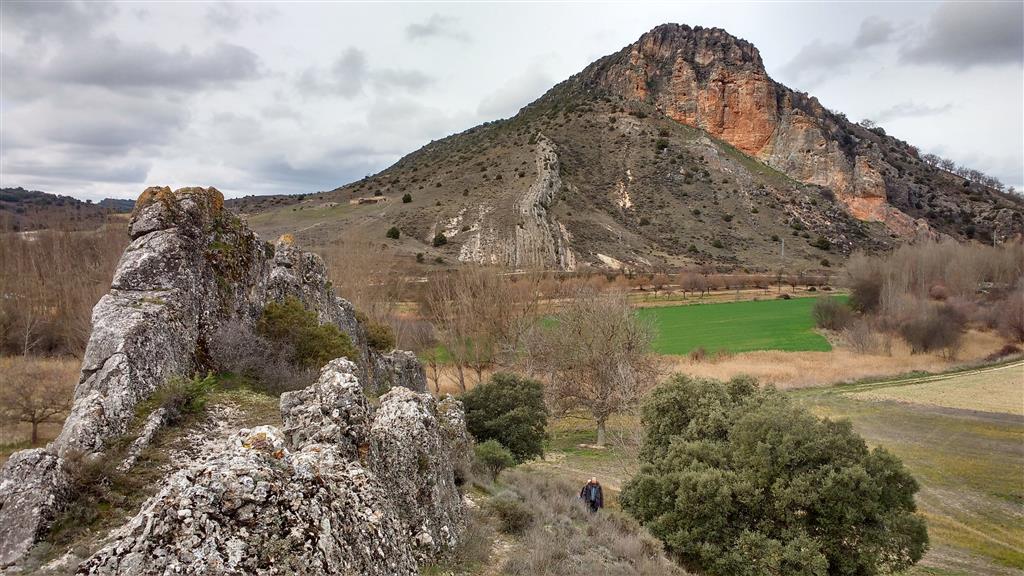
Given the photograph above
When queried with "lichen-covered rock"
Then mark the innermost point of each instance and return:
(397, 368)
(30, 484)
(452, 417)
(303, 501)
(412, 452)
(190, 268)
(332, 410)
(259, 509)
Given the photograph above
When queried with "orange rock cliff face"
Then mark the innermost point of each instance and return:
(709, 79)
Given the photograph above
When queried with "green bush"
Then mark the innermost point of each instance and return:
(406, 198)
(440, 239)
(180, 397)
(822, 243)
(289, 322)
(380, 337)
(393, 233)
(493, 457)
(736, 480)
(509, 409)
(831, 314)
(513, 515)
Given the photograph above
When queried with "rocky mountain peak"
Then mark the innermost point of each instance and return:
(709, 79)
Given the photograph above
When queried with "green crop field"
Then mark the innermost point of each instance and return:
(737, 327)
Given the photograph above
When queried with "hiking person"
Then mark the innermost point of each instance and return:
(592, 495)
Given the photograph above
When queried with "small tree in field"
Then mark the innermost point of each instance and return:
(35, 392)
(596, 353)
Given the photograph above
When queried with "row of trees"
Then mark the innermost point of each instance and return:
(936, 161)
(971, 174)
(928, 295)
(49, 282)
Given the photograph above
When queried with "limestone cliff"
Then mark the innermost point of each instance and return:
(191, 267)
(709, 79)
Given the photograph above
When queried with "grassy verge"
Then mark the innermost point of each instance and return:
(969, 464)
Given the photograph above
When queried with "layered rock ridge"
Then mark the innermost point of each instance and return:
(709, 79)
(191, 266)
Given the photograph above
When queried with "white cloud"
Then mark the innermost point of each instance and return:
(102, 99)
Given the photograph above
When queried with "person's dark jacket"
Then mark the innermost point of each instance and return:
(592, 495)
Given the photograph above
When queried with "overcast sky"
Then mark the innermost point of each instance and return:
(103, 99)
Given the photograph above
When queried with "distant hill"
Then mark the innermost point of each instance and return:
(24, 210)
(678, 150)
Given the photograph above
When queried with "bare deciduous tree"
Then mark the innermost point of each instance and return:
(596, 356)
(35, 392)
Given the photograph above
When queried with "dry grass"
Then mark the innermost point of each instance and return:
(998, 389)
(802, 369)
(561, 538)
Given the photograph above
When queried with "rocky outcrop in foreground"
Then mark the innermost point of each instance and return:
(191, 267)
(342, 490)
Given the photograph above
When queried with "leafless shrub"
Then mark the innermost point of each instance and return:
(49, 283)
(934, 328)
(862, 338)
(831, 314)
(1011, 324)
(698, 354)
(1005, 351)
(237, 349)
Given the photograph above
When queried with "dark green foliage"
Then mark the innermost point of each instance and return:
(717, 243)
(831, 314)
(740, 481)
(380, 337)
(821, 243)
(419, 257)
(440, 239)
(314, 344)
(509, 409)
(406, 198)
(493, 457)
(393, 233)
(660, 145)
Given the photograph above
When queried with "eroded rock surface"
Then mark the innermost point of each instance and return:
(414, 448)
(191, 266)
(707, 78)
(311, 499)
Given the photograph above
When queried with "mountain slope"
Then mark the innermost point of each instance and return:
(677, 150)
(24, 210)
